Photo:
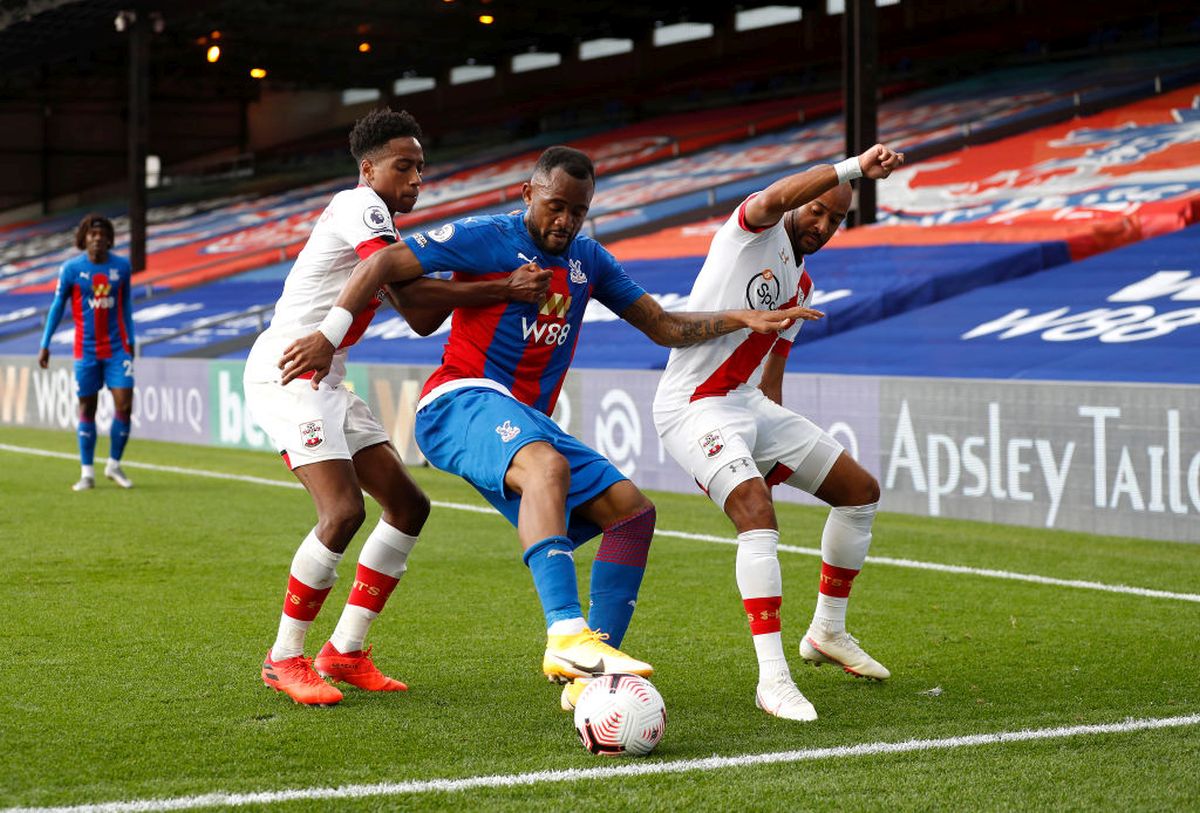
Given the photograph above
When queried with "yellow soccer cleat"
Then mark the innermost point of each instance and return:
(585, 654)
(571, 692)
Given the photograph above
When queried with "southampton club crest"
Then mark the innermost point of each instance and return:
(712, 444)
(312, 434)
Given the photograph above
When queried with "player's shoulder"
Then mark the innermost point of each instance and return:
(119, 263)
(591, 250)
(362, 203)
(476, 227)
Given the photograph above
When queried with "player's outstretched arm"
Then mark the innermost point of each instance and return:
(673, 329)
(425, 303)
(314, 352)
(767, 207)
(54, 316)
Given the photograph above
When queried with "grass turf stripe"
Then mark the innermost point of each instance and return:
(1031, 578)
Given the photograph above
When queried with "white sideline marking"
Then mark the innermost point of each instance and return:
(631, 769)
(721, 540)
(964, 570)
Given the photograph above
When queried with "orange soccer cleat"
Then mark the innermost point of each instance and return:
(296, 677)
(355, 668)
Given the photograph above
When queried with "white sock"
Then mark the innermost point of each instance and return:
(87, 471)
(830, 614)
(112, 463)
(567, 626)
(385, 551)
(844, 543)
(316, 566)
(758, 576)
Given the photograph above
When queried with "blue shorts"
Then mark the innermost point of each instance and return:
(114, 373)
(474, 433)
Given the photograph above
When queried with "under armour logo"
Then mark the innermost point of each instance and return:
(739, 464)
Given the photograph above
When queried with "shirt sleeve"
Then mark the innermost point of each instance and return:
(614, 289)
(61, 291)
(472, 248)
(360, 219)
(740, 231)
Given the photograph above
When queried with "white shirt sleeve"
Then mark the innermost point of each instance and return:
(358, 216)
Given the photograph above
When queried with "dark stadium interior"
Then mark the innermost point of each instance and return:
(64, 69)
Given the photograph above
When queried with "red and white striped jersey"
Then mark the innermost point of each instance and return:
(745, 268)
(354, 225)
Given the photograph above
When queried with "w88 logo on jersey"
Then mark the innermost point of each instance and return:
(545, 332)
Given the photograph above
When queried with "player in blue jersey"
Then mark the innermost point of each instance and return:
(97, 284)
(484, 414)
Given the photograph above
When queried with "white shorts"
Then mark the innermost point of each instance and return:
(307, 425)
(724, 441)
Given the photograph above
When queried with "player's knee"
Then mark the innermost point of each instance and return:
(750, 506)
(548, 469)
(342, 521)
(871, 492)
(416, 508)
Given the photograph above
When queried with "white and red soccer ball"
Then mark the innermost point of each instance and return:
(620, 714)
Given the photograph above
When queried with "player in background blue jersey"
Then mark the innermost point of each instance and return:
(97, 285)
(485, 413)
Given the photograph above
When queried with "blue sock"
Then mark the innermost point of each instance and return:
(617, 574)
(119, 434)
(614, 596)
(553, 569)
(87, 442)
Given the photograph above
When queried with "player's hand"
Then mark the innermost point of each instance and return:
(775, 321)
(529, 283)
(879, 161)
(313, 352)
(44, 357)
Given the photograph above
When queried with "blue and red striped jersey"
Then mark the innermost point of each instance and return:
(525, 347)
(100, 296)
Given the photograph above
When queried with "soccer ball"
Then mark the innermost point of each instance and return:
(620, 714)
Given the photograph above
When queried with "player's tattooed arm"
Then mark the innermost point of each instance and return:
(675, 329)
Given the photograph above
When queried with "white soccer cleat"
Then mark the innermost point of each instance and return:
(114, 472)
(819, 646)
(84, 484)
(779, 696)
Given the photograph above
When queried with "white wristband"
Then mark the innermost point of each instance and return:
(335, 324)
(848, 170)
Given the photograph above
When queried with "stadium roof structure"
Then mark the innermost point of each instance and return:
(305, 43)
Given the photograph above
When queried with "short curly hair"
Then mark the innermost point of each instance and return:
(85, 225)
(572, 161)
(380, 126)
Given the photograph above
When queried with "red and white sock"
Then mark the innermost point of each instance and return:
(761, 584)
(383, 560)
(844, 545)
(314, 570)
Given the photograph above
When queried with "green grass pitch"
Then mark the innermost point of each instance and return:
(134, 624)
